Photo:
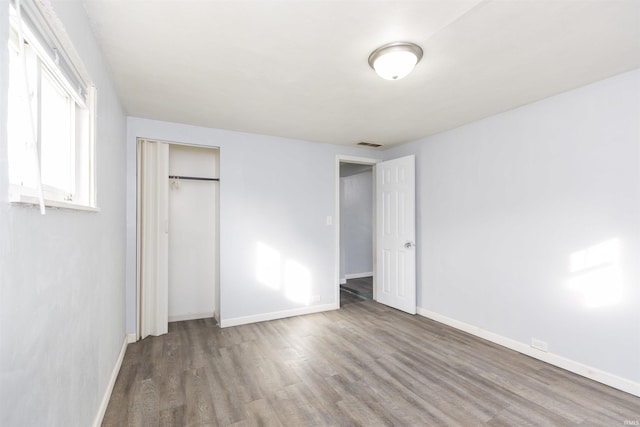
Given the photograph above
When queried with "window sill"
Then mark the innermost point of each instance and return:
(21, 199)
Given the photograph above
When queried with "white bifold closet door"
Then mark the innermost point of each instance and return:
(153, 237)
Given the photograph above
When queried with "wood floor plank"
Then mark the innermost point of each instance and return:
(261, 413)
(199, 408)
(227, 407)
(171, 376)
(145, 405)
(174, 416)
(362, 365)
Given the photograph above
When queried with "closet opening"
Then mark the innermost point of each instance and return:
(178, 234)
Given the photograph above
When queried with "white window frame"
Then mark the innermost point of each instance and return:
(43, 34)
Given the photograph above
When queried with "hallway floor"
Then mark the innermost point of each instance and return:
(362, 287)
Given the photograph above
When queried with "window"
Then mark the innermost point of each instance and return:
(51, 114)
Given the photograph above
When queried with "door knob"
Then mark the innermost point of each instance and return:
(409, 245)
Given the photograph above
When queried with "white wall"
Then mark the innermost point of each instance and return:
(62, 319)
(275, 195)
(504, 203)
(193, 218)
(356, 224)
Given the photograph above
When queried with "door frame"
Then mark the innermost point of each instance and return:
(362, 161)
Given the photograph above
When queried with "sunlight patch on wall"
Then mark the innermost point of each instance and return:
(297, 282)
(268, 266)
(595, 273)
(286, 275)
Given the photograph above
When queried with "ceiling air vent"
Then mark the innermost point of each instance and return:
(369, 144)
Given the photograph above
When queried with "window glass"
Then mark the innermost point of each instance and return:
(56, 140)
(51, 116)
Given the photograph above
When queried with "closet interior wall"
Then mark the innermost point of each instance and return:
(193, 232)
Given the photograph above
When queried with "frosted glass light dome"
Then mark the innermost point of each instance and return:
(394, 61)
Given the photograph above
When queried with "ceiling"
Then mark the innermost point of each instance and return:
(348, 169)
(298, 68)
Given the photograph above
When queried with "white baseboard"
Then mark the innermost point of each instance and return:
(112, 381)
(358, 275)
(553, 359)
(343, 281)
(277, 315)
(193, 316)
(132, 337)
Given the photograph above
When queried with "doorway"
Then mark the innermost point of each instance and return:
(356, 227)
(393, 232)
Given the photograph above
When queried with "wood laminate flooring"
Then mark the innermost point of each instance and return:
(363, 365)
(362, 287)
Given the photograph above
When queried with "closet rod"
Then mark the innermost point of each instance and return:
(195, 178)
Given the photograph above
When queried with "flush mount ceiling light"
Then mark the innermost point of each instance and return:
(394, 61)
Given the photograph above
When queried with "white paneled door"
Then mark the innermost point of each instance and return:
(396, 234)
